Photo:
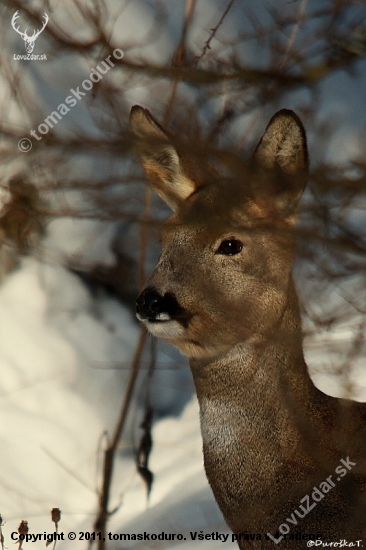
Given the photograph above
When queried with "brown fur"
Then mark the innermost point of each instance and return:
(269, 435)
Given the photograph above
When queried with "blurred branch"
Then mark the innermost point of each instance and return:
(294, 32)
(180, 57)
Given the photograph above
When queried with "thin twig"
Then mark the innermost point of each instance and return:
(1, 533)
(100, 524)
(214, 31)
(293, 34)
(291, 40)
(109, 454)
(144, 235)
(180, 56)
(249, 130)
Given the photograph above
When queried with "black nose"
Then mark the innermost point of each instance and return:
(151, 304)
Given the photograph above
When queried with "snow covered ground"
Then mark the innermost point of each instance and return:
(59, 395)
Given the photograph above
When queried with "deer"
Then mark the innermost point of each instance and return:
(29, 40)
(286, 462)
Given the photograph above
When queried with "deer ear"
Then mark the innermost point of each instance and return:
(283, 151)
(159, 158)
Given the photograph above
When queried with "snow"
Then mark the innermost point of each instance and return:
(59, 394)
(51, 425)
(64, 352)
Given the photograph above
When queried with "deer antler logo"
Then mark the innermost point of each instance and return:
(29, 40)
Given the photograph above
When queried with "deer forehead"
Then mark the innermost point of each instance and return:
(212, 211)
(200, 229)
(198, 235)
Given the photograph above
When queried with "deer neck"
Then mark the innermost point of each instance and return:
(269, 363)
(261, 387)
(256, 404)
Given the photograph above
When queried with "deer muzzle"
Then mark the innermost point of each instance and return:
(154, 307)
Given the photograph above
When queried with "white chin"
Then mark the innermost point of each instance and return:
(164, 329)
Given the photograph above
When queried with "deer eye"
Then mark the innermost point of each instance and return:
(230, 247)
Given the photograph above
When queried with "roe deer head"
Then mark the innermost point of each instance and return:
(223, 294)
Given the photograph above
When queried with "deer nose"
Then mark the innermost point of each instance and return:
(149, 303)
(152, 306)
